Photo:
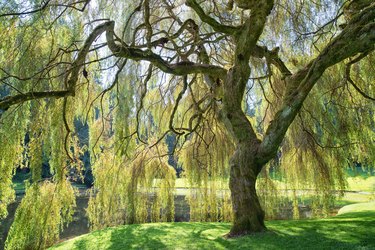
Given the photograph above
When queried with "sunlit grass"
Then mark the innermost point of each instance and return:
(360, 207)
(348, 231)
(361, 184)
(350, 198)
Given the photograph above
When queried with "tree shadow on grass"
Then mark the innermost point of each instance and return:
(82, 244)
(135, 237)
(344, 232)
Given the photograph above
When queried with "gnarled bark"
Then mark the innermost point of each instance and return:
(248, 213)
(244, 168)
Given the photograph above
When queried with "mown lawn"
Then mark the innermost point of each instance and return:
(354, 230)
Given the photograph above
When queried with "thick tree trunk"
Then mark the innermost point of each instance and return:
(244, 167)
(248, 213)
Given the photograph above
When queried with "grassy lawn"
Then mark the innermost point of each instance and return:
(360, 207)
(354, 230)
(361, 184)
(19, 187)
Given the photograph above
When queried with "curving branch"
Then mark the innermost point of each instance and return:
(273, 58)
(218, 27)
(41, 8)
(350, 80)
(357, 37)
(179, 97)
(70, 80)
(80, 60)
(181, 68)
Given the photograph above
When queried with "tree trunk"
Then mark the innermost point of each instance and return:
(248, 213)
(244, 166)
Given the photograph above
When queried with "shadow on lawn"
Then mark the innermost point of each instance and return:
(344, 232)
(135, 238)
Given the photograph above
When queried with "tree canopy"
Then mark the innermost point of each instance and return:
(244, 88)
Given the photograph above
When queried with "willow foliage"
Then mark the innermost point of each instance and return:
(205, 158)
(41, 215)
(131, 107)
(125, 190)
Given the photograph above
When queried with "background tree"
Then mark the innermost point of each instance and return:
(227, 78)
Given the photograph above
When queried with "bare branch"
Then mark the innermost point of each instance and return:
(182, 68)
(273, 57)
(179, 97)
(27, 12)
(209, 20)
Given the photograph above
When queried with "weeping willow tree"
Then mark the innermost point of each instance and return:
(232, 81)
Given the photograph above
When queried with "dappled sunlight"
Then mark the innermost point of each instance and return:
(224, 114)
(343, 232)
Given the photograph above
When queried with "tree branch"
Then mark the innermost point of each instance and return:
(357, 37)
(122, 50)
(350, 80)
(27, 12)
(182, 68)
(273, 57)
(218, 27)
(179, 97)
(8, 101)
(70, 80)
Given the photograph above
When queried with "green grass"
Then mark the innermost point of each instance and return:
(361, 184)
(360, 207)
(19, 186)
(347, 231)
(352, 198)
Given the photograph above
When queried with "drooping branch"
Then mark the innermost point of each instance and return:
(101, 95)
(179, 97)
(67, 128)
(141, 102)
(70, 80)
(357, 37)
(350, 80)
